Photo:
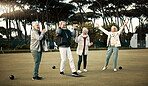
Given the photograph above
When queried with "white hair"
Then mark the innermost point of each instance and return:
(114, 28)
(63, 22)
(84, 28)
(34, 23)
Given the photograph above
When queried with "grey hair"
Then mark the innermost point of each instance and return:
(114, 28)
(84, 28)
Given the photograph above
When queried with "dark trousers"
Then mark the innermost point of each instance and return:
(84, 61)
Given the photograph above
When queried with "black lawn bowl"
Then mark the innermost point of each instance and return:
(11, 77)
(120, 67)
(53, 67)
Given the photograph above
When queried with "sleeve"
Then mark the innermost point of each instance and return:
(37, 36)
(88, 41)
(119, 32)
(77, 39)
(103, 30)
(74, 32)
(58, 31)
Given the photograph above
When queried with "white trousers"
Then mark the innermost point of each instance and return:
(66, 52)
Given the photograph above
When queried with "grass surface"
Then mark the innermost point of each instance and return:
(134, 72)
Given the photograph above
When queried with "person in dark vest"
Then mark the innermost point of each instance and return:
(64, 41)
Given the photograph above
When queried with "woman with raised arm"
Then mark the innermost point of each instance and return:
(113, 43)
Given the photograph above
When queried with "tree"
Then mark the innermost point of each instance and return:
(80, 4)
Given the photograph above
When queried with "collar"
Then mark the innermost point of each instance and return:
(84, 35)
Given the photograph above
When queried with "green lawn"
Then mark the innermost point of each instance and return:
(134, 72)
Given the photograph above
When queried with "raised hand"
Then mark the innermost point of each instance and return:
(91, 43)
(43, 31)
(125, 23)
(97, 25)
(74, 26)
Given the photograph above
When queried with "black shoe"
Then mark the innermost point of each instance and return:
(75, 74)
(61, 73)
(37, 78)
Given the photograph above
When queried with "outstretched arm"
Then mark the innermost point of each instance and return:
(103, 30)
(77, 38)
(58, 31)
(122, 27)
(74, 31)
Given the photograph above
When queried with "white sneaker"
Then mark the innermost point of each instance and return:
(85, 70)
(79, 71)
(104, 68)
(115, 70)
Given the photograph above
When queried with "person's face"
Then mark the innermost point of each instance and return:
(113, 29)
(63, 25)
(36, 26)
(84, 32)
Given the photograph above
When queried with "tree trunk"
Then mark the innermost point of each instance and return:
(117, 16)
(10, 29)
(18, 30)
(17, 25)
(47, 17)
(7, 31)
(24, 25)
(43, 26)
(140, 29)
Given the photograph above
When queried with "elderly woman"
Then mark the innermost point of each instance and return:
(113, 42)
(82, 50)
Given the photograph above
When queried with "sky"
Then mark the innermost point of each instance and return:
(1, 10)
(135, 21)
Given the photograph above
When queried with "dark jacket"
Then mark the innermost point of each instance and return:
(64, 37)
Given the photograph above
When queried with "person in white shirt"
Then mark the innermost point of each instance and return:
(113, 42)
(83, 41)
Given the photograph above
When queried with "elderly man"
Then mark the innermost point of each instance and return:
(36, 48)
(64, 41)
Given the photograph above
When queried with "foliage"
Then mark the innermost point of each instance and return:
(5, 46)
(24, 46)
(113, 12)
